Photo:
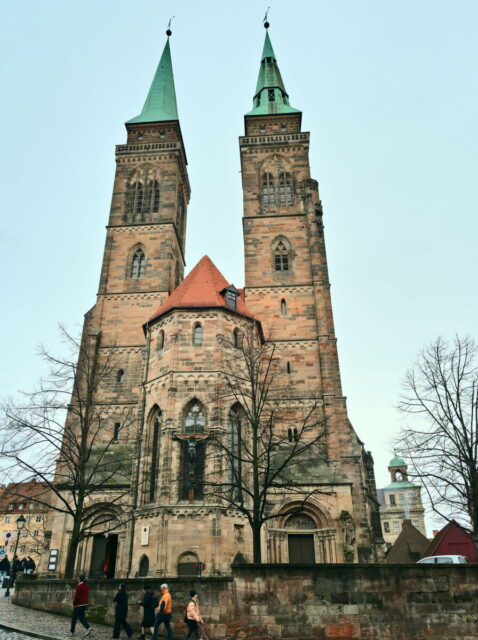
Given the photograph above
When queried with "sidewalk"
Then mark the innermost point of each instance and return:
(48, 626)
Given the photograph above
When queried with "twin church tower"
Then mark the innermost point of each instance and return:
(164, 332)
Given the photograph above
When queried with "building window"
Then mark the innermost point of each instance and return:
(288, 368)
(120, 375)
(396, 525)
(401, 498)
(10, 506)
(237, 338)
(192, 469)
(116, 432)
(292, 435)
(38, 519)
(161, 340)
(143, 567)
(416, 524)
(21, 506)
(231, 298)
(135, 197)
(138, 263)
(281, 257)
(285, 189)
(283, 307)
(271, 95)
(36, 533)
(6, 519)
(155, 434)
(197, 335)
(154, 188)
(234, 445)
(392, 499)
(194, 419)
(22, 548)
(268, 190)
(386, 527)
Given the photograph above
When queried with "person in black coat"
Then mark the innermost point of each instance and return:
(16, 568)
(4, 568)
(121, 612)
(149, 603)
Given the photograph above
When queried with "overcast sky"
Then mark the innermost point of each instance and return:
(388, 91)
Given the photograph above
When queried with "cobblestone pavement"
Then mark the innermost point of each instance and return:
(40, 624)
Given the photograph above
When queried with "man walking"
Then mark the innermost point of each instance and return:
(164, 613)
(80, 605)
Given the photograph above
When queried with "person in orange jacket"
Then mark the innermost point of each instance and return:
(164, 613)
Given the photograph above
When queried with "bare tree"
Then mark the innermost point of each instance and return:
(273, 438)
(60, 438)
(441, 392)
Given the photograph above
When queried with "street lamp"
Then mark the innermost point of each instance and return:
(20, 524)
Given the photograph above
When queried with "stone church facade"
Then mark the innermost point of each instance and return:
(166, 333)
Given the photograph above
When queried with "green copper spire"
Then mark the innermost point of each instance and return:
(271, 96)
(160, 104)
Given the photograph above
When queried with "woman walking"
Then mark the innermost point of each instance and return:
(121, 612)
(149, 604)
(193, 618)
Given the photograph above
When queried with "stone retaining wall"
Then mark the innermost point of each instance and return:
(288, 602)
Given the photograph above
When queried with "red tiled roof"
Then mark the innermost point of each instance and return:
(202, 288)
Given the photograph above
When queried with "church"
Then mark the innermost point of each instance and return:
(166, 333)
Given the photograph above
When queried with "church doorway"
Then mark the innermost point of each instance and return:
(103, 556)
(301, 548)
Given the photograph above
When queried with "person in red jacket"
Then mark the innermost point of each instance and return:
(80, 605)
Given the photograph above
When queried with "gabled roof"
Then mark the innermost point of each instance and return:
(442, 534)
(410, 545)
(202, 288)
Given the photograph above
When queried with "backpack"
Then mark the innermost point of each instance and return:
(186, 613)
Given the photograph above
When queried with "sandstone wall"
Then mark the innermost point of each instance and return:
(320, 602)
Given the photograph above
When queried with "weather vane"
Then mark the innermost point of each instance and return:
(266, 23)
(168, 30)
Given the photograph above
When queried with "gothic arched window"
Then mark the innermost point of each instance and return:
(283, 307)
(161, 340)
(138, 263)
(135, 198)
(197, 335)
(194, 418)
(120, 375)
(285, 189)
(154, 447)
(281, 257)
(268, 190)
(234, 448)
(154, 185)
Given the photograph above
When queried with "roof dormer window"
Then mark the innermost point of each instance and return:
(230, 296)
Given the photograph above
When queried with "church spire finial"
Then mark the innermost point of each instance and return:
(160, 104)
(168, 30)
(265, 21)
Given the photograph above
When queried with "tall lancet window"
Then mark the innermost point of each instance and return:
(281, 257)
(268, 190)
(285, 189)
(155, 427)
(138, 263)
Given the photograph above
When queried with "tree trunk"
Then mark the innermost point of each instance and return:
(256, 545)
(71, 558)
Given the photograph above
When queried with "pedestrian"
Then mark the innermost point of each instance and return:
(164, 613)
(149, 604)
(29, 566)
(193, 617)
(80, 605)
(4, 568)
(16, 568)
(121, 612)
